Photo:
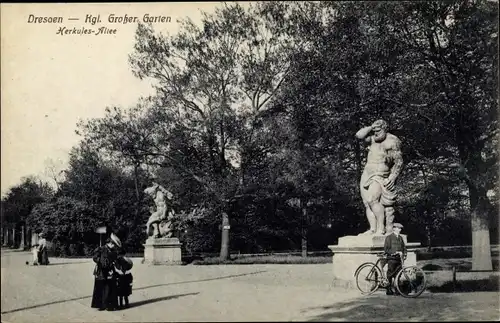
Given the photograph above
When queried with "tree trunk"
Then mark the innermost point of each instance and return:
(23, 238)
(429, 238)
(358, 158)
(481, 249)
(137, 199)
(480, 208)
(136, 184)
(304, 242)
(304, 227)
(5, 236)
(28, 237)
(224, 247)
(13, 244)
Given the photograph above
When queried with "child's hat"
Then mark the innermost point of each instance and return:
(124, 263)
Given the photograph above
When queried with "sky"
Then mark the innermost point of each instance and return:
(50, 81)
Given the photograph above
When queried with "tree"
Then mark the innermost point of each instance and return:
(405, 62)
(214, 83)
(68, 223)
(126, 137)
(458, 42)
(20, 200)
(108, 190)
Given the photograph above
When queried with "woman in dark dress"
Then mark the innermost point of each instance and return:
(43, 257)
(104, 296)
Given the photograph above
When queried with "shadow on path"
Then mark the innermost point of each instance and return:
(427, 307)
(468, 286)
(140, 288)
(29, 263)
(202, 280)
(13, 250)
(68, 263)
(159, 299)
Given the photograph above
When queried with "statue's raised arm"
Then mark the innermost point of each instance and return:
(364, 132)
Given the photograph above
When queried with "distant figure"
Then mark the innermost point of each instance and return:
(104, 296)
(34, 251)
(43, 256)
(124, 279)
(383, 165)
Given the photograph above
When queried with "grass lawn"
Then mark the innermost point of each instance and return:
(270, 259)
(460, 264)
(429, 261)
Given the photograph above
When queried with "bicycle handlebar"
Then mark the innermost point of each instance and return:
(385, 255)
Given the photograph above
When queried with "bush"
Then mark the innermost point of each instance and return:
(88, 250)
(74, 250)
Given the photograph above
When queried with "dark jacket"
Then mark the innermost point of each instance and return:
(124, 283)
(105, 259)
(394, 244)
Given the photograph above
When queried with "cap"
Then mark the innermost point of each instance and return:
(397, 225)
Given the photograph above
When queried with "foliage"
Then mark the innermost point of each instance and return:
(67, 221)
(108, 191)
(20, 200)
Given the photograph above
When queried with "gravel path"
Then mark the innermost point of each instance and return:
(61, 292)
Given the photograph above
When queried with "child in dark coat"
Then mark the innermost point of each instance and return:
(124, 279)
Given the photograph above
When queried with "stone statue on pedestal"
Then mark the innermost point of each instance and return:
(383, 166)
(160, 220)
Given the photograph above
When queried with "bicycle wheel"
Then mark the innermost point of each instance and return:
(368, 278)
(411, 281)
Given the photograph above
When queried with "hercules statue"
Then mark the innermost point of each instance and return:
(383, 166)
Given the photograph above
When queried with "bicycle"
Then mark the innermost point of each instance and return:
(410, 280)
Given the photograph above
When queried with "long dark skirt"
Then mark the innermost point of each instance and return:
(43, 257)
(104, 295)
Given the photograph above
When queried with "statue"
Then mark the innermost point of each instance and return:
(383, 166)
(160, 220)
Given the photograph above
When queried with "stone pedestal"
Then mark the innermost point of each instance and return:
(162, 251)
(352, 251)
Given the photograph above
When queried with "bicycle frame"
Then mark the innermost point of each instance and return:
(400, 267)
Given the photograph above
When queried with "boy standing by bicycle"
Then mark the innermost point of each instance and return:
(395, 249)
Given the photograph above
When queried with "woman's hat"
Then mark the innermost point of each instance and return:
(114, 238)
